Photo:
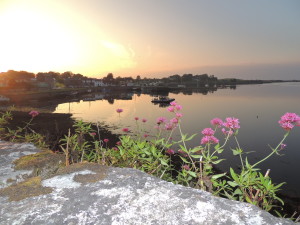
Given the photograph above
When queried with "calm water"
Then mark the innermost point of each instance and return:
(259, 107)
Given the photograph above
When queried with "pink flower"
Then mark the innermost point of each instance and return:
(288, 120)
(144, 120)
(169, 126)
(174, 120)
(225, 132)
(178, 107)
(136, 118)
(287, 126)
(115, 148)
(106, 140)
(173, 103)
(179, 115)
(34, 113)
(171, 109)
(214, 140)
(232, 123)
(125, 130)
(170, 152)
(119, 110)
(93, 134)
(186, 167)
(209, 139)
(118, 143)
(282, 146)
(216, 122)
(208, 132)
(161, 120)
(146, 135)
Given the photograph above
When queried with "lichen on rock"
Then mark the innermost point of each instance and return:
(29, 188)
(44, 163)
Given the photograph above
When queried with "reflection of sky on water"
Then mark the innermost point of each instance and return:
(258, 107)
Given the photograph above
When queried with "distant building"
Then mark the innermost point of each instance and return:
(93, 82)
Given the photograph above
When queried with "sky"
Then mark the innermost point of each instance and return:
(257, 39)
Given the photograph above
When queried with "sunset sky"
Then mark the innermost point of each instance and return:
(152, 38)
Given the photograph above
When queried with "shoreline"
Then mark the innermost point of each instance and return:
(54, 126)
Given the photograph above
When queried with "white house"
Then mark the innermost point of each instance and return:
(93, 82)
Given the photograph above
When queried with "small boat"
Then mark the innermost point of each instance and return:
(162, 99)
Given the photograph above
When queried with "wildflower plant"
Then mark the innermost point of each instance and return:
(21, 134)
(154, 154)
(247, 184)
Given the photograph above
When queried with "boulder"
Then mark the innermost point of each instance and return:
(89, 193)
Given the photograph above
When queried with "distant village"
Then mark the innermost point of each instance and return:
(23, 80)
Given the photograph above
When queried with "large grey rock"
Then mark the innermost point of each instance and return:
(93, 194)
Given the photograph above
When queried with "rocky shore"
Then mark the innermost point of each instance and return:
(55, 126)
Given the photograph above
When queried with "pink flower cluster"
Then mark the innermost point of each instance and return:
(208, 138)
(119, 110)
(174, 108)
(34, 113)
(125, 130)
(216, 122)
(170, 151)
(231, 123)
(161, 120)
(289, 120)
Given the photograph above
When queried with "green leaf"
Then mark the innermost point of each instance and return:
(233, 174)
(193, 174)
(220, 150)
(217, 146)
(190, 138)
(184, 159)
(196, 156)
(163, 162)
(238, 192)
(196, 149)
(232, 184)
(218, 161)
(217, 176)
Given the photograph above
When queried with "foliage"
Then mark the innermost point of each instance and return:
(21, 134)
(155, 155)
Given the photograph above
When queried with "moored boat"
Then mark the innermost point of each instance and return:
(162, 99)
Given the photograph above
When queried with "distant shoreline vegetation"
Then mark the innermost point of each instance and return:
(27, 81)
